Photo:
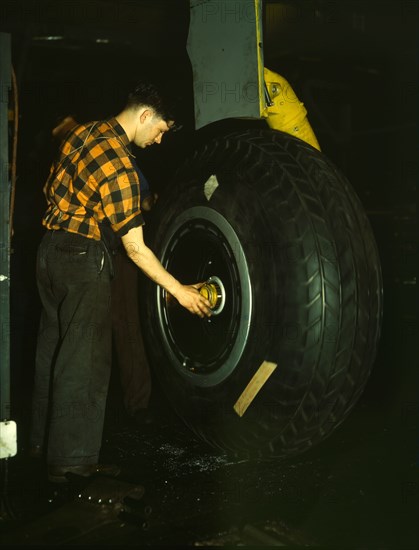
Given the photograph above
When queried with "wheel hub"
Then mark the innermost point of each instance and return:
(213, 290)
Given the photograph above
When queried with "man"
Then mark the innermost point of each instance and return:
(127, 338)
(93, 194)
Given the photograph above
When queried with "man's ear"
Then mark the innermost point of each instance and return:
(145, 115)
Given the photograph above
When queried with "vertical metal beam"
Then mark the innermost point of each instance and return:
(226, 53)
(5, 84)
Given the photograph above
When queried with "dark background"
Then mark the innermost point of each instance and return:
(353, 64)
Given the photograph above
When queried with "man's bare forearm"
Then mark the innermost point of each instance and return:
(146, 260)
(187, 295)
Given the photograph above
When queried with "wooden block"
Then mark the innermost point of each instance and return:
(254, 386)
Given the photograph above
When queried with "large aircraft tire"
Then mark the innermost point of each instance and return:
(289, 351)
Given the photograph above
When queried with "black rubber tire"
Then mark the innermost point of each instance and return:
(300, 261)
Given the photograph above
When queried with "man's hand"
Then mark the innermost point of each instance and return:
(189, 297)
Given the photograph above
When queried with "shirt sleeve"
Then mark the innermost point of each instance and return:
(120, 195)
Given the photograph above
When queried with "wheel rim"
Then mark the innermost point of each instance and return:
(202, 246)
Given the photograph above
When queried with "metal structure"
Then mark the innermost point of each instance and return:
(7, 427)
(225, 48)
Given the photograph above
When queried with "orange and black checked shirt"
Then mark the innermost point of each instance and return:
(93, 181)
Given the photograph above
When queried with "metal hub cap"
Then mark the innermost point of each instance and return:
(214, 291)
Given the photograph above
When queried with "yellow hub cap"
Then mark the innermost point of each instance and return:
(213, 290)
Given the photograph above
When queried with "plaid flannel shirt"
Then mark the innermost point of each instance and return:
(93, 181)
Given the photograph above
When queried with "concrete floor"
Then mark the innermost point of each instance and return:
(358, 489)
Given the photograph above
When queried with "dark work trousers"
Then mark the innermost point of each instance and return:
(73, 358)
(127, 335)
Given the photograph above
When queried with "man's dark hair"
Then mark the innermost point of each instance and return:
(148, 94)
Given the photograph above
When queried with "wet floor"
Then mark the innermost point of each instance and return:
(357, 489)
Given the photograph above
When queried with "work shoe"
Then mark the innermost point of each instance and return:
(58, 473)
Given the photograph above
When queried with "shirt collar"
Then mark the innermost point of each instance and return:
(119, 130)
